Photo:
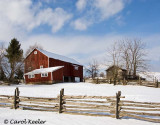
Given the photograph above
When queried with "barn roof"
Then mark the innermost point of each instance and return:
(59, 57)
(44, 70)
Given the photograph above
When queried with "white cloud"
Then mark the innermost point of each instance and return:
(56, 19)
(16, 12)
(81, 24)
(81, 4)
(17, 16)
(120, 20)
(109, 8)
(97, 11)
(153, 46)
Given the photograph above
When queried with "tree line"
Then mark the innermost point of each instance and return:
(11, 61)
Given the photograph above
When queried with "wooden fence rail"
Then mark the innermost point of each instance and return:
(111, 106)
(141, 110)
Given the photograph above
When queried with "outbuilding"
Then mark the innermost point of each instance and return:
(113, 71)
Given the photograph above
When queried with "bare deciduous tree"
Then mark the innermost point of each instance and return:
(102, 74)
(133, 54)
(129, 53)
(2, 51)
(93, 69)
(33, 47)
(126, 55)
(114, 51)
(5, 68)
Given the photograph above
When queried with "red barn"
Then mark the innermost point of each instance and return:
(45, 67)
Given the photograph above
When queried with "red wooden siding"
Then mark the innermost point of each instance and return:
(38, 79)
(35, 61)
(68, 69)
(58, 75)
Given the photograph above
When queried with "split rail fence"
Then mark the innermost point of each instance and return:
(111, 106)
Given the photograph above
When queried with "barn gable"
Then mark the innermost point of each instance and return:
(35, 60)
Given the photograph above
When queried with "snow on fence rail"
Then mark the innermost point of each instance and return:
(140, 110)
(111, 106)
(6, 101)
(91, 105)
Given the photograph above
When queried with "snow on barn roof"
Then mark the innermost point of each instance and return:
(43, 70)
(59, 57)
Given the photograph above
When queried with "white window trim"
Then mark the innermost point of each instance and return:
(76, 67)
(44, 74)
(31, 76)
(35, 52)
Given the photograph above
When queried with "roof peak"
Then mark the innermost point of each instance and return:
(59, 57)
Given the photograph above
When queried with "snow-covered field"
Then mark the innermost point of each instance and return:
(135, 93)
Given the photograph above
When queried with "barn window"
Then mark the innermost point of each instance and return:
(29, 68)
(76, 67)
(41, 66)
(44, 75)
(31, 76)
(35, 52)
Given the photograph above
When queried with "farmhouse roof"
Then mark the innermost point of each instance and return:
(59, 57)
(44, 70)
(115, 67)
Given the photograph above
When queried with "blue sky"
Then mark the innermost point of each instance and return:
(82, 29)
(137, 16)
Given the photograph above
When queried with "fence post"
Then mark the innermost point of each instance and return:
(16, 99)
(154, 80)
(140, 82)
(61, 100)
(115, 81)
(97, 81)
(124, 81)
(156, 84)
(17, 89)
(119, 81)
(117, 104)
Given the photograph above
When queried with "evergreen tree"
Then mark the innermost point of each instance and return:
(14, 54)
(19, 74)
(2, 74)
